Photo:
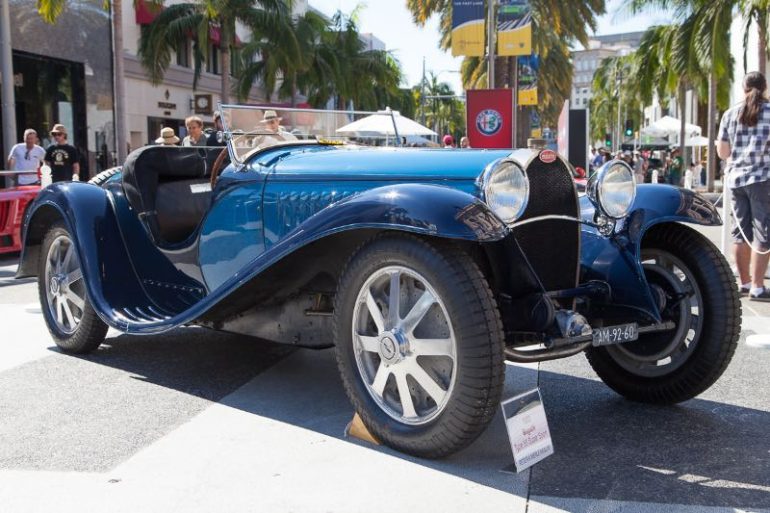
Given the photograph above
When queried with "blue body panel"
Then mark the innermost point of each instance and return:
(287, 198)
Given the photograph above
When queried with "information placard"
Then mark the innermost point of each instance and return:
(527, 429)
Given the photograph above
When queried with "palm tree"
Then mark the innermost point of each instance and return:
(614, 86)
(201, 19)
(565, 21)
(367, 78)
(756, 12)
(708, 27)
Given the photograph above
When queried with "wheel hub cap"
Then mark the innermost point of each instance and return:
(56, 285)
(393, 347)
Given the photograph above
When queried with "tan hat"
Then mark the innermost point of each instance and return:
(270, 115)
(59, 129)
(167, 136)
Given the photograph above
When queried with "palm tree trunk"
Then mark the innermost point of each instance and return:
(762, 50)
(293, 90)
(682, 123)
(712, 160)
(226, 37)
(121, 141)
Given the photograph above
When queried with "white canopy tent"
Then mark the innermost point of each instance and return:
(670, 126)
(698, 140)
(382, 124)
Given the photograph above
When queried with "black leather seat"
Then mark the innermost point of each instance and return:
(168, 188)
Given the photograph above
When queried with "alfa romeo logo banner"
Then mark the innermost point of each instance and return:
(490, 117)
(468, 27)
(514, 28)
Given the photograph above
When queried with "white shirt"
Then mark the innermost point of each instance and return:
(26, 161)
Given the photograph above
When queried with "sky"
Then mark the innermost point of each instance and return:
(391, 22)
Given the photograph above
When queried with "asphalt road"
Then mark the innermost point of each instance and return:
(195, 420)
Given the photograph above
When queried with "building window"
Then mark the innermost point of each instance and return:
(212, 63)
(183, 54)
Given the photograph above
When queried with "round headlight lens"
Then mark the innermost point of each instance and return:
(507, 191)
(615, 189)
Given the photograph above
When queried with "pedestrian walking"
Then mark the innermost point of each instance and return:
(675, 168)
(62, 157)
(167, 137)
(640, 167)
(217, 137)
(449, 141)
(195, 135)
(465, 142)
(26, 156)
(744, 144)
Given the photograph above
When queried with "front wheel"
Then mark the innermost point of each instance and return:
(419, 344)
(693, 283)
(67, 309)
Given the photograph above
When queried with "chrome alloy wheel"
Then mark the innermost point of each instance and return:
(65, 289)
(404, 345)
(658, 354)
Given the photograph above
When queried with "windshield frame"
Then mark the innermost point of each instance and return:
(239, 161)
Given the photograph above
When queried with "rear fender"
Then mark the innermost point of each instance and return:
(616, 259)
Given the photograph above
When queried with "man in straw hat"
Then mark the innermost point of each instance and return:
(167, 137)
(62, 157)
(272, 131)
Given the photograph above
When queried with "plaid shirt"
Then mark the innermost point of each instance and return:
(749, 147)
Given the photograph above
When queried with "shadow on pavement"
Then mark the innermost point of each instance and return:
(698, 453)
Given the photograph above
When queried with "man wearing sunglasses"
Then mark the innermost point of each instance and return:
(26, 156)
(62, 157)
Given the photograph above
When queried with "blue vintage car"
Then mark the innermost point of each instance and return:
(425, 269)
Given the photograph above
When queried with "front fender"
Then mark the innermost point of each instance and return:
(427, 209)
(87, 214)
(616, 259)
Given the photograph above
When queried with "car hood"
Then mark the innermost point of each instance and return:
(356, 163)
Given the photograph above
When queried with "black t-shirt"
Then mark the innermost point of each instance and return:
(61, 157)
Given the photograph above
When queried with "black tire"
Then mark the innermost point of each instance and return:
(470, 386)
(101, 178)
(80, 331)
(699, 353)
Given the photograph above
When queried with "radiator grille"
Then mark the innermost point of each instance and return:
(552, 246)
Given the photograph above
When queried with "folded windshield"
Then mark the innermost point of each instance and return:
(251, 128)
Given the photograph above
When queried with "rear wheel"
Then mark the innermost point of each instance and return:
(688, 275)
(67, 309)
(419, 344)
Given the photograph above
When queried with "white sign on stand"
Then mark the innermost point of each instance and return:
(527, 429)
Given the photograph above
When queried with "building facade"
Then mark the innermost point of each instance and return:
(61, 75)
(585, 62)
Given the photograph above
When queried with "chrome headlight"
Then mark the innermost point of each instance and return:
(506, 190)
(612, 189)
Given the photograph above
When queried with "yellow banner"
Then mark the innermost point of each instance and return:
(528, 96)
(468, 35)
(514, 28)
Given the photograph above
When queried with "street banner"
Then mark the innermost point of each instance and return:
(468, 37)
(534, 124)
(514, 28)
(490, 117)
(529, 66)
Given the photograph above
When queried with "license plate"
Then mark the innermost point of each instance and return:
(610, 335)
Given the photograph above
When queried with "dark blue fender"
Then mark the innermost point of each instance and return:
(90, 219)
(121, 301)
(616, 259)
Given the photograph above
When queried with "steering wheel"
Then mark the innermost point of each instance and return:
(218, 166)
